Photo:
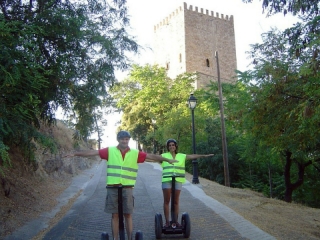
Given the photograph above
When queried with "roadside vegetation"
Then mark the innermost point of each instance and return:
(57, 54)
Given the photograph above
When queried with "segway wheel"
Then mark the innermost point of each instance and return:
(161, 223)
(104, 236)
(186, 225)
(158, 225)
(139, 235)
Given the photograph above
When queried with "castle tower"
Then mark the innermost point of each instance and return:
(186, 41)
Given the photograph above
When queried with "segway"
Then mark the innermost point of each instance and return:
(104, 235)
(185, 227)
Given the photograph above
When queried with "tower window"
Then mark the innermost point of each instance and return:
(180, 58)
(167, 66)
(208, 62)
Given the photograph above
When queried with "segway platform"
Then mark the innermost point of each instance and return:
(184, 228)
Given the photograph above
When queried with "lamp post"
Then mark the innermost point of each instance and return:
(192, 102)
(154, 145)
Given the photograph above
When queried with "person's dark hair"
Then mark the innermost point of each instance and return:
(123, 134)
(175, 143)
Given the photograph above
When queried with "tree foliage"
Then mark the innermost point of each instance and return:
(284, 97)
(283, 106)
(149, 94)
(58, 53)
(289, 6)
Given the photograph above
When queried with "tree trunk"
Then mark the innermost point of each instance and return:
(290, 187)
(98, 131)
(270, 179)
(287, 167)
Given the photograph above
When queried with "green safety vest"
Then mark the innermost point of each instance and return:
(177, 169)
(121, 171)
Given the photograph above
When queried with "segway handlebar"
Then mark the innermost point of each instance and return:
(120, 186)
(171, 176)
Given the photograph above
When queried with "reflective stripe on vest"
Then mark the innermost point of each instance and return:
(177, 169)
(121, 171)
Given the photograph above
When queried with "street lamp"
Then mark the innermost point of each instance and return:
(154, 124)
(192, 103)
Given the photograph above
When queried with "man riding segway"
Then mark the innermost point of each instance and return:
(122, 169)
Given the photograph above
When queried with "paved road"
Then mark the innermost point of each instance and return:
(86, 218)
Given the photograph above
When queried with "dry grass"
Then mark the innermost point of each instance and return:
(278, 218)
(30, 196)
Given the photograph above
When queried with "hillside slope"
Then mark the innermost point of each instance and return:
(33, 189)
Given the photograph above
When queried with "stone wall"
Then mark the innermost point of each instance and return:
(169, 43)
(187, 40)
(47, 163)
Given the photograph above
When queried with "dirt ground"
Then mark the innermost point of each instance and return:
(282, 220)
(29, 197)
(278, 218)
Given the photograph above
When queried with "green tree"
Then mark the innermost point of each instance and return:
(285, 100)
(149, 94)
(289, 6)
(284, 106)
(58, 53)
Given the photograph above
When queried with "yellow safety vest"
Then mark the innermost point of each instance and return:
(177, 169)
(121, 171)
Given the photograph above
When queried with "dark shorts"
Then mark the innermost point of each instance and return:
(111, 203)
(166, 185)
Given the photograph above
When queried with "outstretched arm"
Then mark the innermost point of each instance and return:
(88, 153)
(158, 158)
(194, 156)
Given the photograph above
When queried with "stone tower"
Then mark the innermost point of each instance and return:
(186, 41)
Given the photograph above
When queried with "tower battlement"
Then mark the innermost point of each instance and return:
(180, 9)
(186, 41)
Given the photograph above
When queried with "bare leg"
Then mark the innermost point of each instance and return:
(115, 225)
(129, 225)
(176, 203)
(166, 201)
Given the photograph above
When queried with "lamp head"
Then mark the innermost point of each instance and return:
(192, 102)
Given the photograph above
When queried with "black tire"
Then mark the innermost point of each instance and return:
(158, 225)
(186, 225)
(104, 236)
(139, 235)
(161, 223)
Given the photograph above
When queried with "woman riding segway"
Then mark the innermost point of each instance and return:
(173, 176)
